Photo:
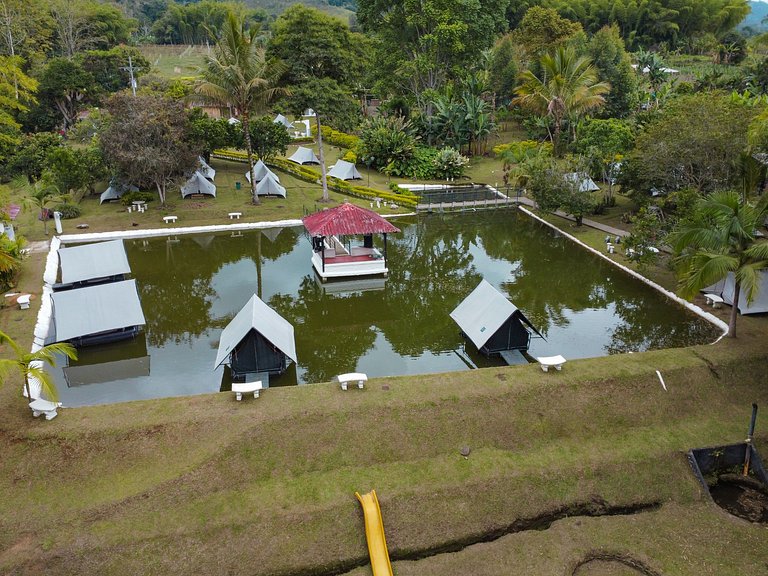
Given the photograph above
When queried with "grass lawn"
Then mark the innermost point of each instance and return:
(563, 466)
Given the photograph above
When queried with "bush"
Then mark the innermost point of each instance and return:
(350, 156)
(449, 163)
(336, 138)
(390, 144)
(518, 151)
(136, 196)
(68, 210)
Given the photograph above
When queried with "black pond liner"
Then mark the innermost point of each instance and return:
(719, 470)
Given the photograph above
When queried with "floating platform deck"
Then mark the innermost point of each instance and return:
(513, 357)
(465, 205)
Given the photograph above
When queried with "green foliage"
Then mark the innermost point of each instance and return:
(268, 138)
(210, 133)
(198, 22)
(604, 143)
(333, 101)
(350, 156)
(68, 210)
(543, 29)
(606, 48)
(10, 260)
(31, 156)
(337, 138)
(66, 86)
(390, 143)
(135, 196)
(449, 163)
(504, 68)
(16, 93)
(74, 170)
(647, 231)
(758, 132)
(516, 152)
(109, 67)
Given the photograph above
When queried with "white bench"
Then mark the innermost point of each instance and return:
(714, 300)
(233, 215)
(40, 407)
(547, 362)
(168, 219)
(359, 377)
(246, 388)
(23, 301)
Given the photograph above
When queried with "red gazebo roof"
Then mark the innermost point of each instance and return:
(346, 219)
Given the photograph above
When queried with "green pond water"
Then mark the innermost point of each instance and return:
(191, 286)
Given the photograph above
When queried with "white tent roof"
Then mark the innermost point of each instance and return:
(259, 171)
(304, 155)
(205, 169)
(256, 315)
(483, 312)
(232, 121)
(198, 185)
(586, 184)
(269, 187)
(115, 192)
(91, 261)
(96, 309)
(280, 119)
(726, 288)
(344, 170)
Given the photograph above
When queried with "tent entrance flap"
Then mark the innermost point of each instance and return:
(255, 353)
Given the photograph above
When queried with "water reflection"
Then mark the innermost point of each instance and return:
(192, 286)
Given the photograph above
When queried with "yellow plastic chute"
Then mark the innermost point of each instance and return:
(374, 532)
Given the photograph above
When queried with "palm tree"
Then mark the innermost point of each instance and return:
(30, 365)
(40, 196)
(722, 239)
(238, 74)
(566, 88)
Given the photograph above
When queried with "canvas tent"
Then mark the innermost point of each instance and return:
(113, 313)
(269, 187)
(726, 289)
(257, 339)
(304, 155)
(492, 322)
(260, 170)
(93, 263)
(205, 169)
(280, 119)
(586, 184)
(198, 184)
(116, 191)
(344, 170)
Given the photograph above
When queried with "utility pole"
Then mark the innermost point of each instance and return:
(130, 68)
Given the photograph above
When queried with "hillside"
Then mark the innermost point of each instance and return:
(756, 17)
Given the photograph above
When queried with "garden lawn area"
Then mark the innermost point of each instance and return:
(172, 61)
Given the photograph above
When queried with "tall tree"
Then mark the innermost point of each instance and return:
(606, 48)
(148, 140)
(26, 28)
(29, 365)
(566, 88)
(16, 93)
(542, 30)
(67, 86)
(720, 240)
(238, 74)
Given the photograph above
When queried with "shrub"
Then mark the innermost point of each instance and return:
(336, 138)
(518, 151)
(449, 163)
(136, 196)
(390, 144)
(350, 156)
(68, 210)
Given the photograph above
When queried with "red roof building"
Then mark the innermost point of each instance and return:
(347, 219)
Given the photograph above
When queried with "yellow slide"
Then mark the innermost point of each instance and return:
(374, 532)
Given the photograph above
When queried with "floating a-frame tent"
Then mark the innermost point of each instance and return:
(198, 184)
(304, 155)
(257, 340)
(269, 187)
(726, 289)
(331, 258)
(92, 264)
(492, 323)
(97, 314)
(344, 170)
(259, 172)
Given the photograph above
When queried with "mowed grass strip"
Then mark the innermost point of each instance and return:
(195, 475)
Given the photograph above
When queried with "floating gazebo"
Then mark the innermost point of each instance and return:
(331, 258)
(257, 341)
(493, 324)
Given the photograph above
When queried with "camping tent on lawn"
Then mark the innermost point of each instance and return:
(257, 339)
(280, 119)
(726, 289)
(492, 322)
(269, 187)
(116, 191)
(586, 184)
(304, 155)
(205, 169)
(344, 170)
(198, 184)
(260, 170)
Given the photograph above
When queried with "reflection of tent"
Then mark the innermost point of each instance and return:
(115, 192)
(304, 155)
(280, 119)
(97, 314)
(204, 241)
(205, 169)
(344, 170)
(260, 170)
(257, 339)
(492, 322)
(726, 288)
(269, 187)
(272, 233)
(198, 185)
(586, 184)
(93, 263)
